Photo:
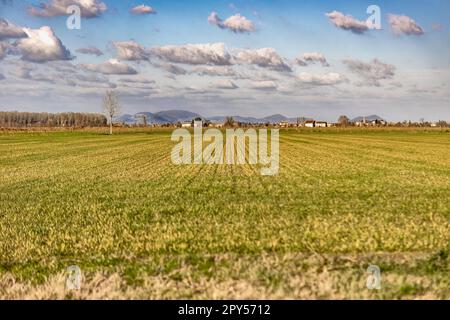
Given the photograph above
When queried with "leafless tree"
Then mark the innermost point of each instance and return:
(14, 119)
(111, 107)
(344, 121)
(229, 122)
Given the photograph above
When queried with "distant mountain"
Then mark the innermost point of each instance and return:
(368, 118)
(174, 116)
(126, 118)
(276, 118)
(162, 117)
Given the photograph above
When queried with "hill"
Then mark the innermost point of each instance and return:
(368, 118)
(162, 117)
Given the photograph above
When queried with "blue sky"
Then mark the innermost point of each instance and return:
(399, 72)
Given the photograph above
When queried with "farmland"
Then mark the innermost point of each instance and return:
(140, 227)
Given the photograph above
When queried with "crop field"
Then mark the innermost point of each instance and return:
(140, 227)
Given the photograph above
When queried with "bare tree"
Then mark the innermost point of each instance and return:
(229, 122)
(301, 121)
(111, 107)
(343, 121)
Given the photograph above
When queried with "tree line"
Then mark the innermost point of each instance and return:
(15, 119)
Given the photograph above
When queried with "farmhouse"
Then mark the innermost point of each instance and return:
(284, 124)
(321, 124)
(186, 125)
(310, 123)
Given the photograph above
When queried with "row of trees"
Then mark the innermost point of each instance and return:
(16, 119)
(111, 106)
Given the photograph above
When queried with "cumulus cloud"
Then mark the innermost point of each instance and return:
(41, 45)
(347, 22)
(371, 72)
(10, 31)
(310, 58)
(264, 58)
(2, 77)
(264, 85)
(404, 25)
(143, 9)
(235, 23)
(328, 79)
(112, 66)
(226, 84)
(131, 51)
(90, 50)
(54, 8)
(194, 54)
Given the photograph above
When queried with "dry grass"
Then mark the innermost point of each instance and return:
(263, 277)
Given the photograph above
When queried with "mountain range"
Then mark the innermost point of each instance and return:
(175, 116)
(367, 118)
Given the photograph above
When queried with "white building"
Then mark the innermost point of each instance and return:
(321, 124)
(310, 124)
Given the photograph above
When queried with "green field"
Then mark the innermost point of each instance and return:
(141, 227)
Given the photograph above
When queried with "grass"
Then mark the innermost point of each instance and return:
(118, 208)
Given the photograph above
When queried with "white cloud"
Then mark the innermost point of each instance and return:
(112, 66)
(264, 58)
(215, 71)
(54, 8)
(225, 84)
(143, 9)
(371, 72)
(404, 25)
(194, 54)
(10, 31)
(312, 57)
(90, 50)
(331, 78)
(347, 22)
(131, 51)
(235, 23)
(41, 45)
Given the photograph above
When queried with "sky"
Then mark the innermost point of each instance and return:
(312, 58)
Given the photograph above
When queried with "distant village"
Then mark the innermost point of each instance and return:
(230, 122)
(343, 121)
